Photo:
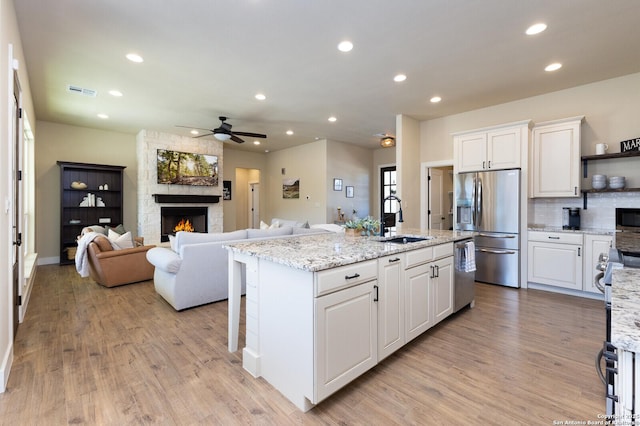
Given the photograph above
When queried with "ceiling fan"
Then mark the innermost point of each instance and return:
(224, 132)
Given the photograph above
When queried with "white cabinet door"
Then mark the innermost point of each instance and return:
(503, 149)
(593, 246)
(417, 300)
(555, 264)
(390, 304)
(556, 159)
(471, 152)
(442, 289)
(346, 334)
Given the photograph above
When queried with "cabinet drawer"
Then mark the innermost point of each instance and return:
(443, 250)
(345, 276)
(556, 237)
(419, 256)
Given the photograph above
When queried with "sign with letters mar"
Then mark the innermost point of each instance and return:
(630, 145)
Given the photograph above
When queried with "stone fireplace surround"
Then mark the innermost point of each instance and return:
(151, 194)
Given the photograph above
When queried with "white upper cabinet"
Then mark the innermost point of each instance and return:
(492, 148)
(555, 168)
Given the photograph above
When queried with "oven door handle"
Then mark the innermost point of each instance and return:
(596, 281)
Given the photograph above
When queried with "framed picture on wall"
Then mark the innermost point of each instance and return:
(337, 184)
(349, 192)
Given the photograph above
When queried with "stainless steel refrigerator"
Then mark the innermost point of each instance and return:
(489, 203)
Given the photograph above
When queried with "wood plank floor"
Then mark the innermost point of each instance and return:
(91, 355)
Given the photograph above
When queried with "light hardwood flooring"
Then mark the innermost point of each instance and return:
(122, 356)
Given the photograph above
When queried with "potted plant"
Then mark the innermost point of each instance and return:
(352, 228)
(367, 226)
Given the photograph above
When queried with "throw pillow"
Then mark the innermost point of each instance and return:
(306, 225)
(120, 242)
(119, 229)
(263, 225)
(172, 242)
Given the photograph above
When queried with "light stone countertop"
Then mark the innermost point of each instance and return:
(625, 309)
(317, 252)
(547, 228)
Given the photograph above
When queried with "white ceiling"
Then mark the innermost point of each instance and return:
(205, 58)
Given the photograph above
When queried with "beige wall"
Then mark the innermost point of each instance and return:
(408, 169)
(611, 109)
(241, 167)
(352, 164)
(308, 163)
(59, 142)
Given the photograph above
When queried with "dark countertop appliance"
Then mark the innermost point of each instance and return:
(571, 218)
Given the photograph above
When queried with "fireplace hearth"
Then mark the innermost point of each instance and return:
(171, 217)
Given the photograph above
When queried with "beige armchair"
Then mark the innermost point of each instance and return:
(110, 268)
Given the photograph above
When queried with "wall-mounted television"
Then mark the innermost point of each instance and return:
(184, 168)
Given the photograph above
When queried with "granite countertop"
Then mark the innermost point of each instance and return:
(548, 228)
(316, 252)
(625, 309)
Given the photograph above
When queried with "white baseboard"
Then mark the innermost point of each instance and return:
(5, 367)
(48, 260)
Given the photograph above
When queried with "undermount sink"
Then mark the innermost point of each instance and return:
(406, 240)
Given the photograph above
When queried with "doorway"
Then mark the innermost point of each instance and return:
(388, 208)
(439, 196)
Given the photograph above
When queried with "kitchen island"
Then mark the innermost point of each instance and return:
(323, 309)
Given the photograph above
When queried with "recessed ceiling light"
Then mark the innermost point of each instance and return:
(536, 29)
(332, 119)
(435, 99)
(553, 67)
(134, 57)
(103, 116)
(115, 93)
(266, 150)
(194, 132)
(260, 97)
(345, 46)
(256, 142)
(289, 132)
(400, 77)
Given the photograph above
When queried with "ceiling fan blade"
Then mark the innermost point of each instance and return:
(236, 139)
(191, 127)
(203, 135)
(251, 135)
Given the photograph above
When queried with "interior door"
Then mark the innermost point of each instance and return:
(16, 231)
(436, 210)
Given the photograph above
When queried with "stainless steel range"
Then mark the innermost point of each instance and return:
(625, 254)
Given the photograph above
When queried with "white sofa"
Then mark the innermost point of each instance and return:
(195, 270)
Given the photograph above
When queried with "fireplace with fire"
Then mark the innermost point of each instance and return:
(174, 219)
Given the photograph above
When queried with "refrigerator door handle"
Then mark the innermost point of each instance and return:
(479, 206)
(474, 220)
(496, 251)
(495, 236)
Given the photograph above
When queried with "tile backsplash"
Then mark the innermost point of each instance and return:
(600, 213)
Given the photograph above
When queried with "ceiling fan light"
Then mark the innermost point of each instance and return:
(387, 142)
(222, 136)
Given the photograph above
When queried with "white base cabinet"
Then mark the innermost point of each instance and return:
(391, 302)
(555, 258)
(346, 337)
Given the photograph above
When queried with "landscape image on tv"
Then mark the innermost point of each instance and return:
(183, 168)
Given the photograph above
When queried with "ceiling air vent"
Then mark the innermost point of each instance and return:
(81, 91)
